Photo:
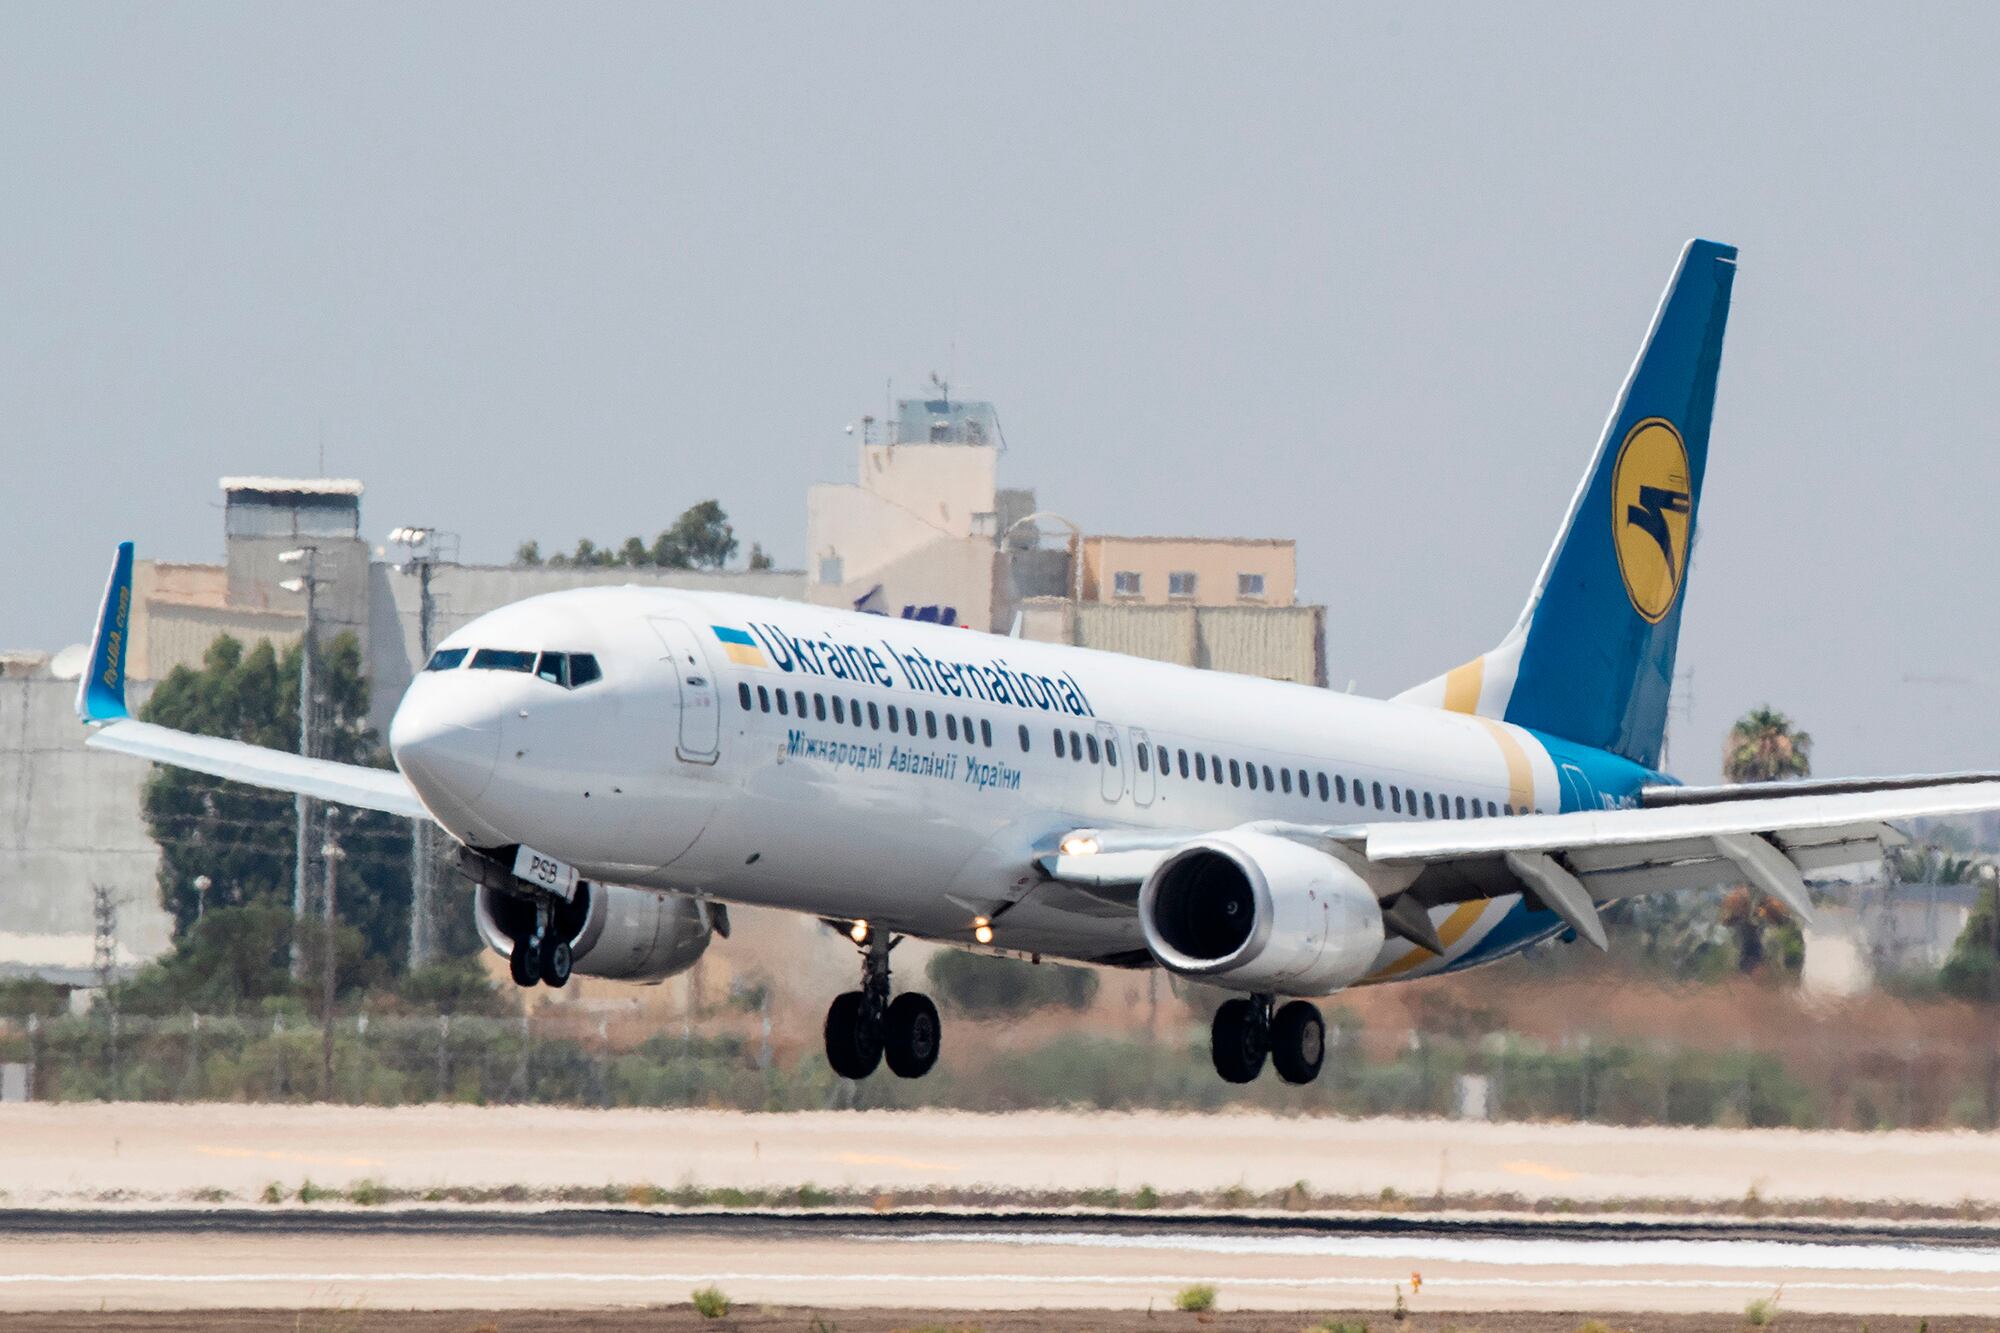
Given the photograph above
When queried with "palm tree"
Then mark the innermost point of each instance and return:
(1764, 746)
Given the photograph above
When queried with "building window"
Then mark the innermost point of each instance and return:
(1250, 587)
(1126, 583)
(832, 569)
(1181, 583)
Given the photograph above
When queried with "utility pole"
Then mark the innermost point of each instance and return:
(307, 583)
(428, 548)
(332, 855)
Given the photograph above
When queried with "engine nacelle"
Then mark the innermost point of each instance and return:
(1254, 912)
(614, 931)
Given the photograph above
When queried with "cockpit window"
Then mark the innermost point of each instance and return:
(582, 669)
(554, 667)
(444, 659)
(502, 659)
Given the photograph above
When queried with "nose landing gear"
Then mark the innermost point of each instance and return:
(863, 1026)
(1246, 1031)
(540, 953)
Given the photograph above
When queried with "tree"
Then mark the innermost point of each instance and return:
(528, 554)
(242, 837)
(700, 538)
(1764, 746)
(1972, 971)
(759, 559)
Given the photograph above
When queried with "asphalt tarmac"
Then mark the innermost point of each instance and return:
(970, 1260)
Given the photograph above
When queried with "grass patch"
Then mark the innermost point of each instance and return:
(709, 1302)
(311, 1193)
(1195, 1299)
(1760, 1312)
(367, 1193)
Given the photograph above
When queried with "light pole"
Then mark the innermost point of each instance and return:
(329, 950)
(202, 884)
(307, 583)
(427, 549)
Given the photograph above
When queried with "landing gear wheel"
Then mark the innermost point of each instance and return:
(1239, 1040)
(556, 961)
(1298, 1042)
(853, 1044)
(524, 964)
(912, 1035)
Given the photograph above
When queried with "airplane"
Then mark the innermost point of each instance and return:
(618, 765)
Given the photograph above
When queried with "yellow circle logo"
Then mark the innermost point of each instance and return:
(1652, 510)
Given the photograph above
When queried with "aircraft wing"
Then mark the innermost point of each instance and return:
(1770, 837)
(100, 701)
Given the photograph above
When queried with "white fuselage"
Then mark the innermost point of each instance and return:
(676, 768)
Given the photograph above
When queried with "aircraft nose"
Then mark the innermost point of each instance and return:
(448, 753)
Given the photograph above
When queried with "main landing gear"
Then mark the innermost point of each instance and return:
(865, 1026)
(540, 953)
(1246, 1031)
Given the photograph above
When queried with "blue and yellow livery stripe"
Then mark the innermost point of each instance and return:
(742, 649)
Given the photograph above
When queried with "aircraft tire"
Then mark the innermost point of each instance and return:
(524, 964)
(556, 961)
(853, 1047)
(1298, 1042)
(1238, 1041)
(914, 1035)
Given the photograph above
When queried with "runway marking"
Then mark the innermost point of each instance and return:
(890, 1159)
(1766, 1255)
(1540, 1170)
(1012, 1279)
(301, 1158)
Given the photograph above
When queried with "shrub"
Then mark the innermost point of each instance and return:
(710, 1303)
(1761, 1311)
(1195, 1299)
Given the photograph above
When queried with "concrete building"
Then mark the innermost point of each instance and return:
(1190, 571)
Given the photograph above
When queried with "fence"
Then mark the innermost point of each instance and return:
(578, 1059)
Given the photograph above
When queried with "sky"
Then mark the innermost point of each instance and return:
(1365, 277)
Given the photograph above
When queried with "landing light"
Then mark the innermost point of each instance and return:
(858, 932)
(1079, 846)
(982, 930)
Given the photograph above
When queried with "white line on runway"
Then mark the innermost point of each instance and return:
(1040, 1279)
(1760, 1254)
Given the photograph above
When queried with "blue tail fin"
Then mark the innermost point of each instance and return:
(100, 696)
(1592, 657)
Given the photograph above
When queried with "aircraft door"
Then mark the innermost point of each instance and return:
(1582, 795)
(700, 736)
(1143, 776)
(1112, 769)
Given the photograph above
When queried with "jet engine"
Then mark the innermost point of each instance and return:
(1254, 912)
(614, 930)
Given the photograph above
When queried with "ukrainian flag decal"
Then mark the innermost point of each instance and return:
(742, 649)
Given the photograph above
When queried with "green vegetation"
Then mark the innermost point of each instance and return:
(710, 1303)
(700, 538)
(1764, 746)
(1195, 1299)
(986, 986)
(1761, 1311)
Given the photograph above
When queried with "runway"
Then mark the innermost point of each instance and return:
(973, 1259)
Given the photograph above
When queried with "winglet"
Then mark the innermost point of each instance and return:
(100, 696)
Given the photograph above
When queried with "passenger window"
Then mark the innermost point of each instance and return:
(1509, 809)
(1285, 780)
(819, 707)
(582, 670)
(1323, 793)
(742, 694)
(1461, 806)
(965, 726)
(895, 719)
(444, 659)
(950, 727)
(763, 699)
(799, 699)
(1410, 796)
(1235, 774)
(1492, 810)
(1215, 768)
(1024, 738)
(1251, 774)
(1091, 741)
(875, 716)
(839, 710)
(1200, 765)
(784, 708)
(930, 724)
(1059, 743)
(1430, 808)
(1111, 753)
(854, 711)
(910, 720)
(502, 659)
(1161, 751)
(1396, 800)
(985, 733)
(1145, 760)
(1182, 763)
(1075, 747)
(1267, 779)
(1378, 796)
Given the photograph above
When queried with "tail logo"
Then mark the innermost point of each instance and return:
(1652, 512)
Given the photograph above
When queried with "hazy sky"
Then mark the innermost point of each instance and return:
(1368, 278)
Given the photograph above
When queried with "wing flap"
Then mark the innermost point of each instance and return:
(381, 789)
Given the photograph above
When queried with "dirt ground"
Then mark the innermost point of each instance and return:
(684, 1319)
(959, 1321)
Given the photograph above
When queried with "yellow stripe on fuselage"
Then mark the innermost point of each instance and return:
(1462, 919)
(1462, 686)
(1520, 769)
